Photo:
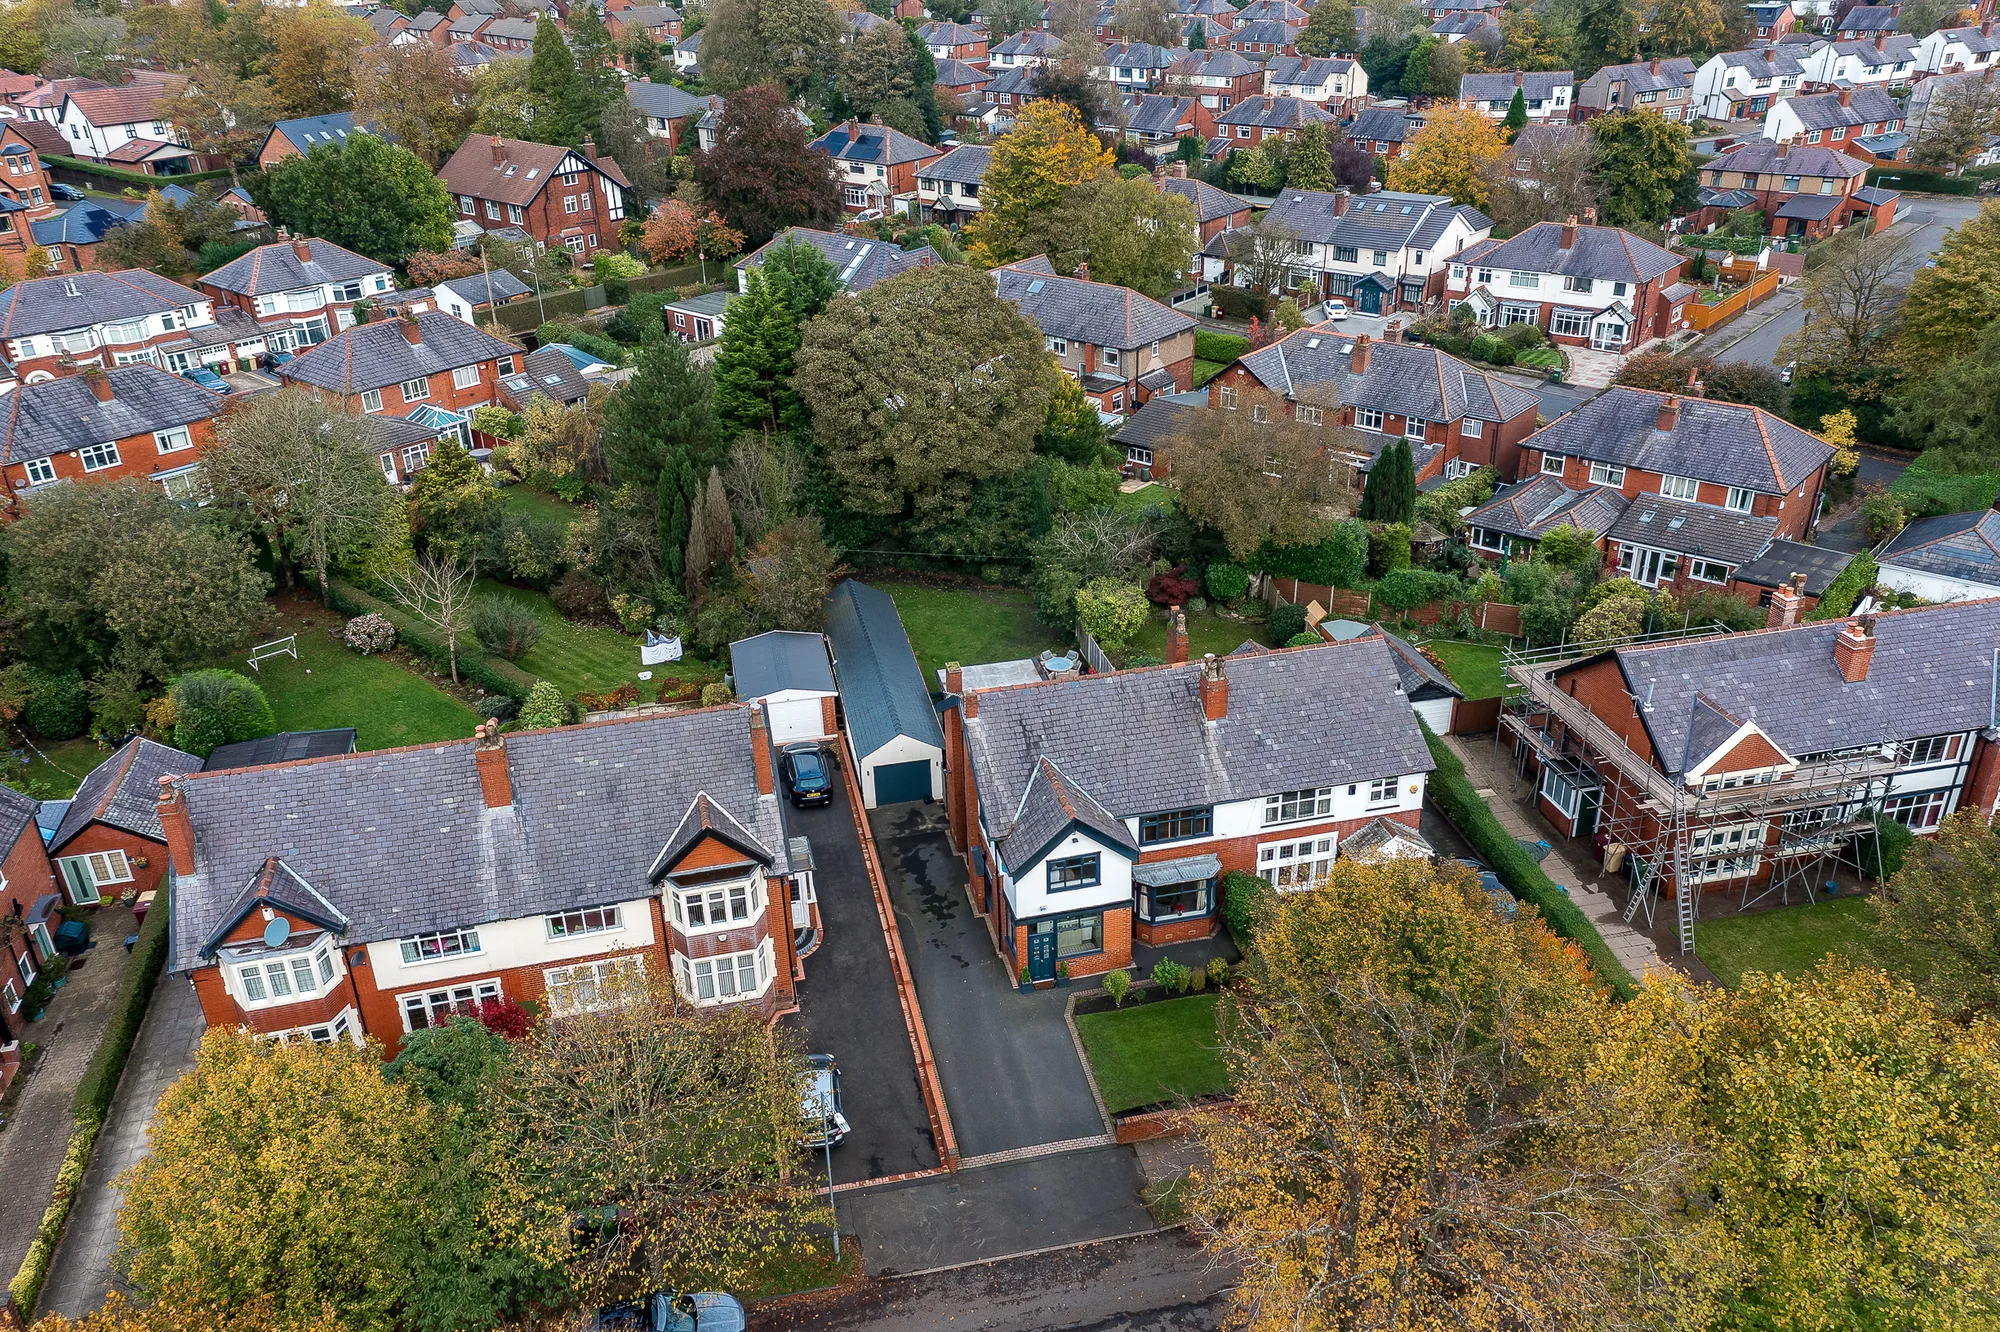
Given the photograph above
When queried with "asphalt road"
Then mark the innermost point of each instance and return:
(1930, 217)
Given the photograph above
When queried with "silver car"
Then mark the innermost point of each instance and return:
(826, 1126)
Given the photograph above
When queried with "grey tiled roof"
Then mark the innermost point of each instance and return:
(278, 885)
(1869, 18)
(1820, 564)
(1386, 220)
(705, 816)
(1931, 674)
(45, 305)
(1304, 71)
(1952, 545)
(1972, 39)
(1694, 529)
(123, 792)
(851, 141)
(1019, 80)
(550, 373)
(1724, 442)
(401, 840)
(1049, 806)
(17, 815)
(782, 659)
(1029, 42)
(277, 267)
(1770, 64)
(1265, 32)
(1210, 204)
(374, 356)
(1677, 72)
(1870, 195)
(1501, 87)
(1379, 124)
(1156, 113)
(1403, 379)
(1137, 741)
(857, 261)
(1158, 421)
(1823, 111)
(1092, 312)
(494, 287)
(1276, 112)
(1799, 159)
(664, 101)
(967, 162)
(958, 74)
(1419, 674)
(1604, 253)
(1810, 207)
(58, 415)
(1217, 64)
(1138, 55)
(1541, 504)
(882, 692)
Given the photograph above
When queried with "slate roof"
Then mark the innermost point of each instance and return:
(782, 659)
(1137, 741)
(549, 372)
(1952, 545)
(58, 415)
(1723, 442)
(1773, 63)
(1386, 220)
(1093, 312)
(1379, 124)
(1869, 18)
(1820, 564)
(284, 747)
(882, 692)
(1641, 77)
(1156, 422)
(967, 163)
(17, 815)
(1210, 204)
(1276, 112)
(309, 132)
(704, 816)
(1029, 42)
(1421, 677)
(1823, 111)
(277, 267)
(1810, 207)
(1501, 87)
(123, 792)
(1216, 64)
(87, 222)
(1541, 504)
(401, 840)
(1972, 39)
(1603, 253)
(858, 261)
(494, 287)
(1463, 24)
(1137, 55)
(45, 305)
(1304, 71)
(1931, 674)
(1150, 113)
(851, 141)
(1020, 80)
(520, 30)
(663, 100)
(1050, 805)
(522, 172)
(1799, 159)
(1694, 529)
(1403, 379)
(945, 32)
(1284, 11)
(1871, 195)
(958, 74)
(374, 356)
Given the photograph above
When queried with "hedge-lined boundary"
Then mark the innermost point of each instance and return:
(1452, 791)
(489, 673)
(92, 1101)
(1921, 180)
(135, 179)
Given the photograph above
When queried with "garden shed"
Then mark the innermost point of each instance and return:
(788, 672)
(892, 725)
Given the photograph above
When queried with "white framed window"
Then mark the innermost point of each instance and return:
(416, 390)
(1485, 275)
(1524, 280)
(1606, 474)
(1570, 323)
(1259, 412)
(466, 376)
(1471, 429)
(1458, 468)
(725, 978)
(40, 471)
(1708, 571)
(1382, 791)
(1111, 357)
(298, 975)
(434, 1008)
(97, 457)
(1228, 398)
(184, 484)
(389, 467)
(416, 455)
(1679, 487)
(593, 920)
(1934, 749)
(1740, 500)
(514, 214)
(174, 440)
(1560, 791)
(89, 873)
(1308, 415)
(1292, 806)
(1579, 284)
(1414, 427)
(569, 203)
(436, 947)
(588, 986)
(1367, 418)
(1552, 464)
(371, 400)
(1298, 864)
(1920, 812)
(11, 995)
(718, 906)
(1060, 346)
(324, 1033)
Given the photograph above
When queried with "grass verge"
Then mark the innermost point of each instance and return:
(1155, 1053)
(1783, 941)
(1473, 667)
(804, 1267)
(332, 685)
(579, 658)
(1206, 370)
(1451, 791)
(531, 503)
(971, 624)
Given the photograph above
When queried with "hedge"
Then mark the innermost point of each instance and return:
(1926, 492)
(121, 178)
(1220, 347)
(1920, 180)
(489, 673)
(1451, 790)
(524, 315)
(1239, 303)
(1841, 594)
(92, 1101)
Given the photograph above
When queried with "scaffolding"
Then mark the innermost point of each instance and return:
(1801, 821)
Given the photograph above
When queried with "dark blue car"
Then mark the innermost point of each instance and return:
(807, 779)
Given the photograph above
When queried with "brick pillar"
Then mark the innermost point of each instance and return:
(179, 829)
(1982, 784)
(1177, 636)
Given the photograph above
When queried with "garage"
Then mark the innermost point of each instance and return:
(1432, 695)
(893, 736)
(790, 674)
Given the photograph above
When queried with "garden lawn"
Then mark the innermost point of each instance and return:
(1473, 667)
(1155, 1053)
(331, 685)
(56, 776)
(971, 625)
(1546, 357)
(1207, 632)
(1206, 370)
(532, 503)
(1785, 940)
(580, 658)
(1145, 497)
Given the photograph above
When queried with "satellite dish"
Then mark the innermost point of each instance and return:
(277, 932)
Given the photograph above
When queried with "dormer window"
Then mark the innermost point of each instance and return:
(284, 978)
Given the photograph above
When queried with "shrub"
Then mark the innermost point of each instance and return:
(1522, 336)
(214, 707)
(714, 695)
(1218, 972)
(58, 706)
(1843, 592)
(1197, 980)
(634, 613)
(503, 1017)
(1238, 302)
(1389, 549)
(1111, 611)
(1881, 513)
(500, 708)
(1173, 587)
(1926, 490)
(1618, 618)
(545, 707)
(1220, 347)
(1118, 984)
(1227, 582)
(505, 627)
(1492, 350)
(1171, 975)
(496, 421)
(369, 634)
(1883, 855)
(1407, 589)
(1304, 638)
(1245, 899)
(579, 597)
(1287, 622)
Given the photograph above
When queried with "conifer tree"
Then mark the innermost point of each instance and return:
(1311, 167)
(1517, 116)
(660, 433)
(551, 85)
(753, 363)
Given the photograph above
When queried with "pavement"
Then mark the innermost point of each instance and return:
(1842, 528)
(848, 1008)
(1010, 1071)
(38, 1121)
(994, 1210)
(81, 1275)
(1162, 1282)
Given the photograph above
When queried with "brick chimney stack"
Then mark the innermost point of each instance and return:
(1653, 65)
(1854, 648)
(760, 750)
(1359, 362)
(412, 331)
(1881, 40)
(1569, 233)
(1784, 150)
(499, 150)
(1847, 97)
(1670, 412)
(99, 380)
(1518, 76)
(496, 784)
(1590, 217)
(1695, 388)
(1986, 28)
(954, 678)
(1785, 604)
(1083, 272)
(1178, 170)
(589, 148)
(1214, 689)
(1177, 636)
(302, 248)
(178, 826)
(1342, 197)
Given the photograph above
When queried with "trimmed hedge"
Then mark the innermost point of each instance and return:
(1219, 347)
(1245, 900)
(1920, 180)
(92, 1100)
(1451, 790)
(1927, 492)
(489, 673)
(120, 178)
(1841, 594)
(1239, 302)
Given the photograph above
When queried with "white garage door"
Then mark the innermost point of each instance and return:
(1436, 712)
(796, 719)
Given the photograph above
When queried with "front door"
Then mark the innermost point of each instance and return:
(1370, 297)
(1609, 335)
(1587, 804)
(1042, 950)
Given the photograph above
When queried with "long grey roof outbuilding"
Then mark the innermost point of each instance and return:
(883, 695)
(1953, 545)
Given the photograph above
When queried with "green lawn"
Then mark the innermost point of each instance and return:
(1473, 667)
(1145, 497)
(56, 776)
(1543, 356)
(1206, 370)
(1207, 632)
(971, 625)
(583, 658)
(1786, 940)
(331, 685)
(1154, 1053)
(532, 503)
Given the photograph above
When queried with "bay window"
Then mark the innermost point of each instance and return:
(305, 974)
(588, 986)
(712, 907)
(434, 1008)
(728, 977)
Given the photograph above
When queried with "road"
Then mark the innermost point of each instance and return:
(1930, 217)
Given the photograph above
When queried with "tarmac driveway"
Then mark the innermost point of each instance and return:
(848, 1008)
(1010, 1071)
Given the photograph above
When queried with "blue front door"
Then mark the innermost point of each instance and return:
(1370, 297)
(1042, 951)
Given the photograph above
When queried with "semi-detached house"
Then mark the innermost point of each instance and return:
(566, 198)
(1336, 82)
(1545, 96)
(1740, 85)
(1123, 348)
(133, 421)
(1875, 63)
(1383, 251)
(1102, 810)
(298, 292)
(877, 167)
(1802, 190)
(1839, 119)
(1585, 285)
(543, 867)
(59, 325)
(1665, 86)
(1956, 50)
(1255, 119)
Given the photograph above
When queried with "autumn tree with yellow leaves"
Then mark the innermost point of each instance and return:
(1049, 152)
(1452, 154)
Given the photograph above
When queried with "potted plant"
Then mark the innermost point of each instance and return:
(1062, 975)
(37, 999)
(56, 971)
(1026, 984)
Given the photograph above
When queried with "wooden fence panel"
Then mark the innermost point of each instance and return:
(1500, 618)
(1475, 716)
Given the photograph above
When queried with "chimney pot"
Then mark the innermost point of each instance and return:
(1177, 636)
(1214, 689)
(1083, 272)
(413, 331)
(1342, 197)
(1358, 363)
(760, 750)
(1590, 217)
(499, 150)
(489, 754)
(589, 148)
(1517, 78)
(1854, 648)
(302, 248)
(1653, 65)
(1670, 412)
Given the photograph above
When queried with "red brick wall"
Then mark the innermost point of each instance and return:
(98, 837)
(138, 456)
(1794, 517)
(28, 872)
(1600, 686)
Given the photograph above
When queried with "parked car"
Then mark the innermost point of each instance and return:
(68, 192)
(705, 1311)
(807, 778)
(1786, 373)
(1337, 310)
(272, 360)
(1503, 901)
(208, 379)
(826, 1126)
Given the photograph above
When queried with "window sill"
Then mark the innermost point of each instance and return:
(1293, 823)
(432, 961)
(1169, 920)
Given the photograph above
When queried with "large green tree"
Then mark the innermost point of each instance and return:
(1130, 233)
(1642, 158)
(1311, 167)
(1937, 920)
(760, 341)
(921, 387)
(1957, 410)
(552, 97)
(1959, 297)
(795, 43)
(1329, 31)
(760, 175)
(596, 85)
(661, 436)
(878, 67)
(371, 197)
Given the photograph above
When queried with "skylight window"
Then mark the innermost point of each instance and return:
(1036, 286)
(511, 169)
(1312, 344)
(533, 172)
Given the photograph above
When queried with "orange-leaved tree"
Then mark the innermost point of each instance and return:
(1049, 152)
(1452, 154)
(676, 231)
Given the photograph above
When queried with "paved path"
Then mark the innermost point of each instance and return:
(38, 1125)
(81, 1275)
(1494, 778)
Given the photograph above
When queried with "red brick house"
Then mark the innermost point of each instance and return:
(877, 166)
(24, 190)
(1079, 845)
(1216, 210)
(429, 360)
(1585, 285)
(564, 198)
(1802, 190)
(965, 42)
(1122, 347)
(58, 325)
(133, 421)
(1255, 119)
(110, 841)
(297, 292)
(28, 898)
(381, 927)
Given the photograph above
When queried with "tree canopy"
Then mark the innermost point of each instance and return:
(373, 198)
(760, 175)
(1049, 152)
(1452, 154)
